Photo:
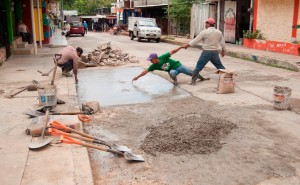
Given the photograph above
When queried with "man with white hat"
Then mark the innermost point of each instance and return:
(211, 39)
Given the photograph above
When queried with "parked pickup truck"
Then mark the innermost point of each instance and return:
(143, 28)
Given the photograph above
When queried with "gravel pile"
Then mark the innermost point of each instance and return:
(188, 134)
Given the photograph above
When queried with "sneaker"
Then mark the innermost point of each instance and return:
(64, 73)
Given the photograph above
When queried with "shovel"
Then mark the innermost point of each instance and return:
(45, 74)
(41, 142)
(57, 125)
(68, 138)
(32, 87)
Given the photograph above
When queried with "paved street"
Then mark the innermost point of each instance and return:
(262, 149)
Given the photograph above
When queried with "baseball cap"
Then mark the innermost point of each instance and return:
(210, 21)
(152, 56)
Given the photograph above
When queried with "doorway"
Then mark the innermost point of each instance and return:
(4, 40)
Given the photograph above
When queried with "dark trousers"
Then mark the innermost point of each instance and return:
(66, 67)
(205, 57)
(26, 37)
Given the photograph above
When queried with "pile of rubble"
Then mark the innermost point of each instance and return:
(105, 55)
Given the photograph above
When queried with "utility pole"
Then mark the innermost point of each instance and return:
(251, 15)
(62, 13)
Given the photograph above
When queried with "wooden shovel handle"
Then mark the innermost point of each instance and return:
(18, 92)
(60, 126)
(46, 123)
(54, 72)
(101, 148)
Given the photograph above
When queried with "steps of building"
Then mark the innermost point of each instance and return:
(29, 50)
(22, 45)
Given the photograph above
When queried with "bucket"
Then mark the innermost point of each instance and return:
(47, 95)
(281, 97)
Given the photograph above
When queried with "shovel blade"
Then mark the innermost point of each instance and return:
(133, 157)
(121, 148)
(39, 143)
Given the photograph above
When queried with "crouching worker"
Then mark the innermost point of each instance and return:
(69, 61)
(165, 63)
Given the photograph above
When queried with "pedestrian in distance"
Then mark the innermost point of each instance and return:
(69, 61)
(23, 31)
(211, 39)
(85, 26)
(166, 63)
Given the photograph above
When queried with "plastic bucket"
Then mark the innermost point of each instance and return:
(47, 95)
(281, 97)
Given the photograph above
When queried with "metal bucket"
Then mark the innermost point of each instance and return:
(281, 97)
(47, 95)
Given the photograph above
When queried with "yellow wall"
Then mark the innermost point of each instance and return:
(275, 19)
(37, 37)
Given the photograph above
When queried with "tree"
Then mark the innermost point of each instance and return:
(86, 6)
(180, 12)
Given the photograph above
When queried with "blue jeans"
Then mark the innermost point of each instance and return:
(67, 67)
(205, 57)
(181, 69)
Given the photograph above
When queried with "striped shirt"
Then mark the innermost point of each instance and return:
(69, 53)
(210, 38)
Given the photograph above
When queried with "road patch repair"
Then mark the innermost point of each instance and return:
(114, 87)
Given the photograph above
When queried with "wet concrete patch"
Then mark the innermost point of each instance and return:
(115, 87)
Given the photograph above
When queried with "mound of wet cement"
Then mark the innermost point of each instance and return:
(188, 134)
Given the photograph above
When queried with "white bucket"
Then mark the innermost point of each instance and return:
(281, 97)
(47, 95)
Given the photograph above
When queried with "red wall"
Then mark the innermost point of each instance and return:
(26, 15)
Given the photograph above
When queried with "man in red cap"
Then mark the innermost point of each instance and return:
(166, 63)
(211, 39)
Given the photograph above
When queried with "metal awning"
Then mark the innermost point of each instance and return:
(70, 12)
(92, 16)
(150, 6)
(111, 17)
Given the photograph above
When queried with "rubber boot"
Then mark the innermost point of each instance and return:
(203, 78)
(194, 78)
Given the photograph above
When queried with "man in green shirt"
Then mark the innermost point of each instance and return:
(165, 63)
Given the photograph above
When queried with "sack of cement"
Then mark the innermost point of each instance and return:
(226, 83)
(91, 107)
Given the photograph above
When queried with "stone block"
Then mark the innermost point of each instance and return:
(22, 45)
(25, 51)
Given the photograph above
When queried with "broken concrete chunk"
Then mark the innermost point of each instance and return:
(92, 107)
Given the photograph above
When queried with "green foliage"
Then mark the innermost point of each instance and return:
(253, 35)
(180, 12)
(86, 6)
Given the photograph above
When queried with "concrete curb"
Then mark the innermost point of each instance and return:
(266, 60)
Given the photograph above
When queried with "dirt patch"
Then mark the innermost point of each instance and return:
(189, 134)
(295, 105)
(249, 154)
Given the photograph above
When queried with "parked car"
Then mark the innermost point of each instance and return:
(76, 27)
(143, 28)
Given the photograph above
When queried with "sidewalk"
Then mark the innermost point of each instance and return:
(56, 164)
